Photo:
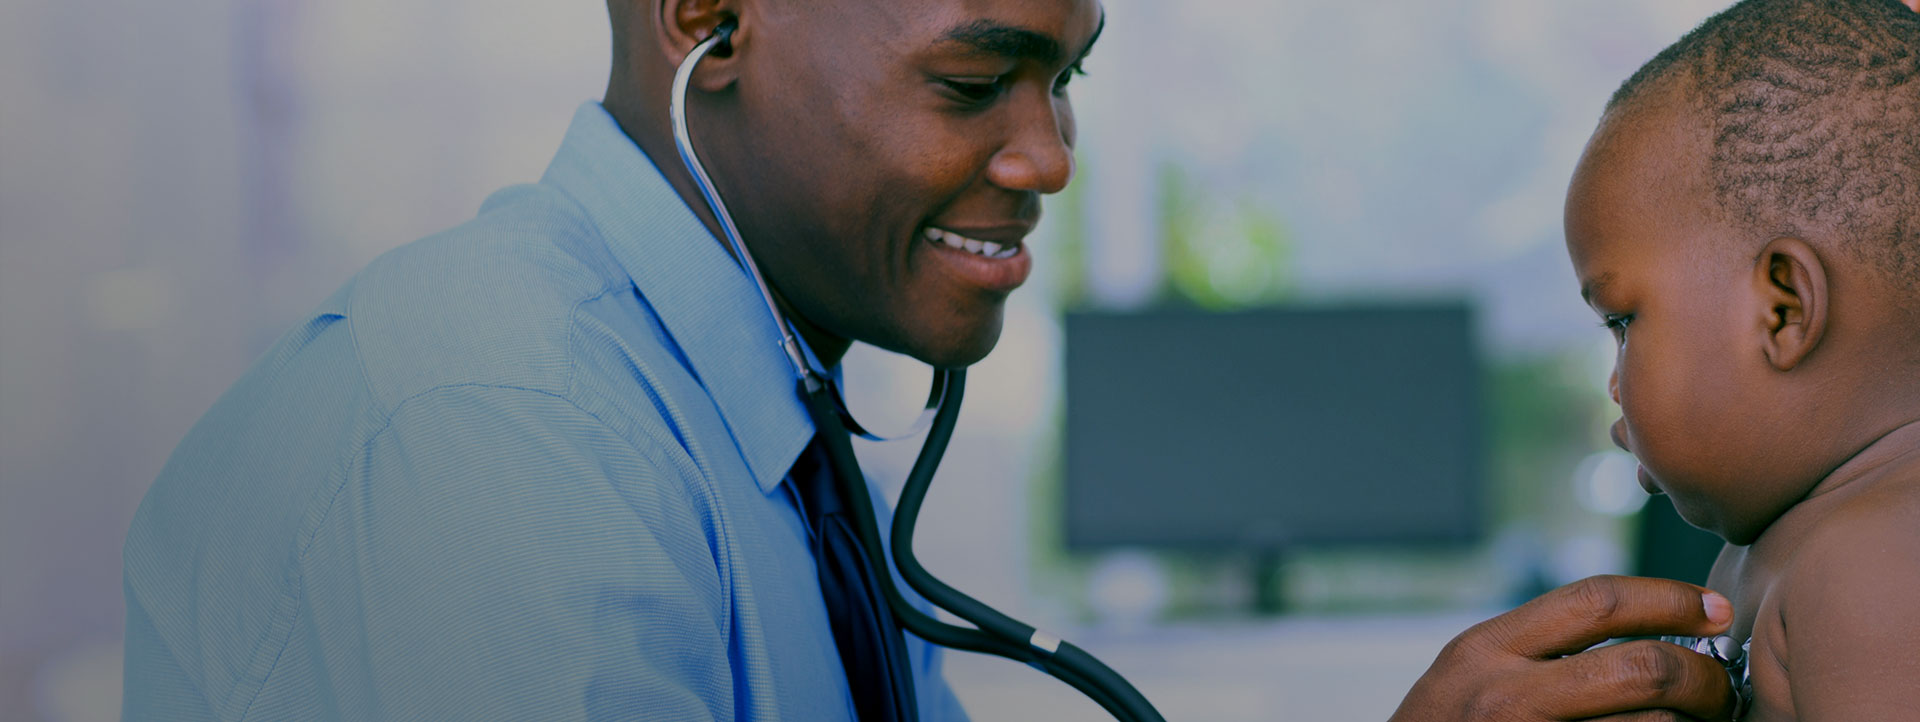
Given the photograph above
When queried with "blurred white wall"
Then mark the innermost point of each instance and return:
(179, 181)
(123, 293)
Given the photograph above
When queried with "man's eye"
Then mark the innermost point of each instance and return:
(973, 90)
(1066, 77)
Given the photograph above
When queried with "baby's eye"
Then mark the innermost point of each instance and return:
(1617, 323)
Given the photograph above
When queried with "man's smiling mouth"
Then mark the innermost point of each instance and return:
(985, 249)
(997, 266)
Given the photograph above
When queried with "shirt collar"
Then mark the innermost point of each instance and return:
(704, 299)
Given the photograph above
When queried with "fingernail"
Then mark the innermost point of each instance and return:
(1719, 610)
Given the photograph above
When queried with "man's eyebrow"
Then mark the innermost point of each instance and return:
(1011, 41)
(1589, 288)
(994, 38)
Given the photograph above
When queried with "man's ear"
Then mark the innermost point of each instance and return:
(1792, 287)
(684, 24)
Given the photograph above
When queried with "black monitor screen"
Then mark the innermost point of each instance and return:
(1273, 428)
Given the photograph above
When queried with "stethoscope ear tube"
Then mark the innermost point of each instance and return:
(935, 396)
(683, 142)
(718, 44)
(996, 633)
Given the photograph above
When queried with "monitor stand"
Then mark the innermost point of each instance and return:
(1269, 582)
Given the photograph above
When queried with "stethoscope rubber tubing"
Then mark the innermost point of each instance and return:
(997, 634)
(1068, 662)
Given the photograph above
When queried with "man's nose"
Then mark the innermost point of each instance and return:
(1039, 157)
(1613, 386)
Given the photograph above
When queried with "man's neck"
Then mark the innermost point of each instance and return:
(651, 132)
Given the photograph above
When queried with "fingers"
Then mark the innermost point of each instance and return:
(1535, 663)
(1645, 715)
(1640, 675)
(1593, 610)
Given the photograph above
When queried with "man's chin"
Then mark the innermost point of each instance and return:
(959, 349)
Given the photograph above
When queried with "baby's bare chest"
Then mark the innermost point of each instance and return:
(1792, 560)
(1750, 577)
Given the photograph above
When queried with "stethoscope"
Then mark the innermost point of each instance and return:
(1733, 656)
(993, 632)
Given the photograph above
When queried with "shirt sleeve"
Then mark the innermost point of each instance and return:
(501, 554)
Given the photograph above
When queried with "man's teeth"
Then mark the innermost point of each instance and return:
(970, 245)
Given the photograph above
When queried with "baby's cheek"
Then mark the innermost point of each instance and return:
(1654, 401)
(1680, 420)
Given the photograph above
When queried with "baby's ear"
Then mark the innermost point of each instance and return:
(1792, 287)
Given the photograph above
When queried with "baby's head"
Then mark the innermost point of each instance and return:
(1746, 220)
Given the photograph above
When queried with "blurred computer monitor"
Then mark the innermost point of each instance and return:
(1666, 546)
(1272, 430)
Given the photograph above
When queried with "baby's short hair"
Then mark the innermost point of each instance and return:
(1815, 111)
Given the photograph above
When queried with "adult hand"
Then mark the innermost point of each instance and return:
(1534, 664)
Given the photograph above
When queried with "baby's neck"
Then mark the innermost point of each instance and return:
(1888, 458)
(1865, 467)
(1884, 474)
(1745, 573)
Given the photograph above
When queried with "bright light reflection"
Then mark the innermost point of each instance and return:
(1609, 483)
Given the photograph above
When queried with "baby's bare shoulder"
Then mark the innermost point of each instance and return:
(1846, 606)
(1884, 518)
(1871, 539)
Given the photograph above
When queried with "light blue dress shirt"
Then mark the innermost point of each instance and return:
(526, 469)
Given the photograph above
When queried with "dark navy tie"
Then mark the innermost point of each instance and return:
(871, 646)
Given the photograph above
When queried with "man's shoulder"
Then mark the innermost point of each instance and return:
(492, 301)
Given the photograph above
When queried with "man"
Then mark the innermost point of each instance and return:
(543, 465)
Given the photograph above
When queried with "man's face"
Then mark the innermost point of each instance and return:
(1665, 276)
(868, 139)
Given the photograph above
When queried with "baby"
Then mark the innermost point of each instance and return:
(1746, 223)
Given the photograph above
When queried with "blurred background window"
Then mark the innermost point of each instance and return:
(179, 182)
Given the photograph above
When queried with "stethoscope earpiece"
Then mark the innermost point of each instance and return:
(722, 37)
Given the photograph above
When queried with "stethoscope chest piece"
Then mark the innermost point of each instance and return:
(1732, 655)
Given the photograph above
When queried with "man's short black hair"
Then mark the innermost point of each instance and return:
(1815, 110)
